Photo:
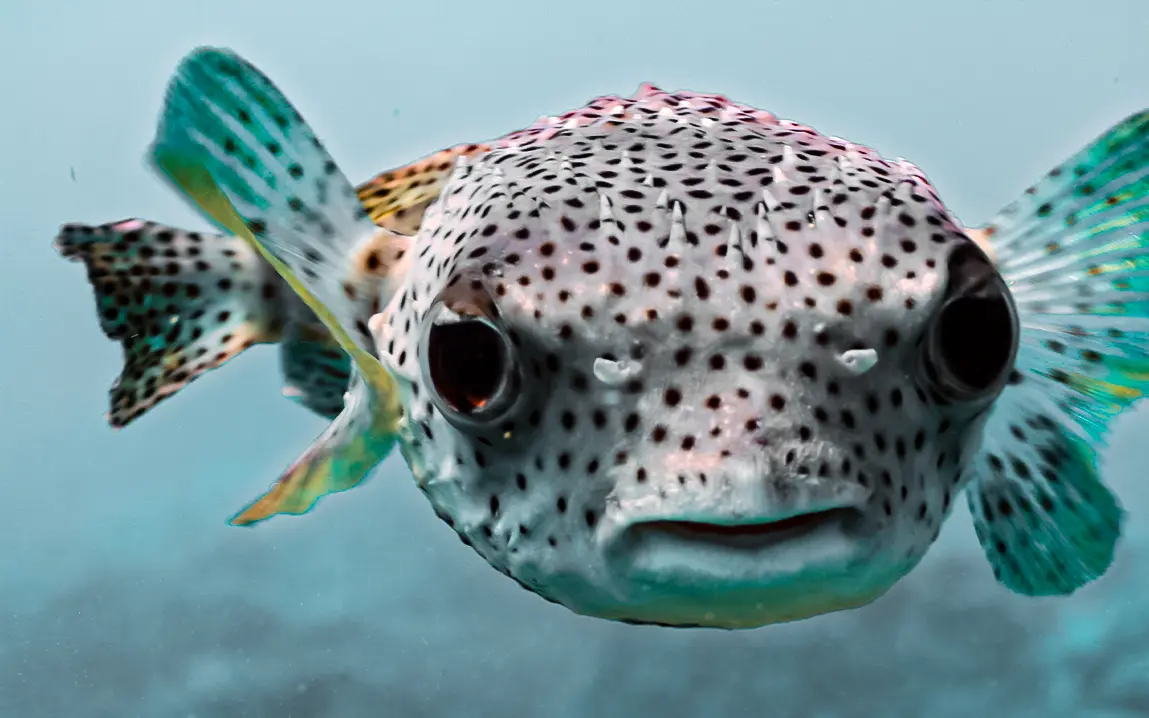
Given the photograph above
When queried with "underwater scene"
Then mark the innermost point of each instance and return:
(574, 359)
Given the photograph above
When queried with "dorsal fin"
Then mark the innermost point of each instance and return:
(397, 198)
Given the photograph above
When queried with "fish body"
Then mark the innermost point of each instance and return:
(731, 263)
(670, 359)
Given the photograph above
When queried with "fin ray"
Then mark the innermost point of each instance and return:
(396, 199)
(1075, 251)
(234, 144)
(241, 152)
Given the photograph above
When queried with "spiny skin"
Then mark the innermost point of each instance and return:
(729, 262)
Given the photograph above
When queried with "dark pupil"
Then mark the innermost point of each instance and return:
(467, 361)
(976, 339)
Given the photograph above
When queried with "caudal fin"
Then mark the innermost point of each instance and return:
(180, 303)
(1075, 252)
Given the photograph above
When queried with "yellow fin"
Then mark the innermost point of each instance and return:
(397, 198)
(340, 459)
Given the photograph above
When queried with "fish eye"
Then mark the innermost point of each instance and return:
(973, 340)
(469, 365)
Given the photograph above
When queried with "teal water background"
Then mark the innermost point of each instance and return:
(123, 593)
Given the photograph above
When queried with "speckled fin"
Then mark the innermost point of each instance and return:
(180, 303)
(396, 199)
(235, 146)
(316, 370)
(1075, 251)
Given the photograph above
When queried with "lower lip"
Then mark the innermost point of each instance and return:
(743, 537)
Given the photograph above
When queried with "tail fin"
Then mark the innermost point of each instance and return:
(1075, 252)
(237, 148)
(180, 303)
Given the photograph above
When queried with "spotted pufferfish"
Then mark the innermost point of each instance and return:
(664, 359)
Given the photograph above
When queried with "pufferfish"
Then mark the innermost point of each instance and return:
(665, 359)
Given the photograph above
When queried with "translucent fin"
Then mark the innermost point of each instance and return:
(1075, 252)
(180, 303)
(232, 142)
(238, 149)
(316, 370)
(353, 444)
(397, 198)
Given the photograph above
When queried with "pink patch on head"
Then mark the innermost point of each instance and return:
(603, 108)
(919, 178)
(648, 100)
(646, 91)
(719, 107)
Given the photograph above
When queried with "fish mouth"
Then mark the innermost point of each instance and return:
(752, 535)
(741, 559)
(715, 552)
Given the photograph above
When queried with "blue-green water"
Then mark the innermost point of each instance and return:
(124, 593)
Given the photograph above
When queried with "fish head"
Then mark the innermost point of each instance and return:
(669, 371)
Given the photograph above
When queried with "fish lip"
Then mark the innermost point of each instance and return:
(741, 532)
(771, 502)
(759, 538)
(741, 557)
